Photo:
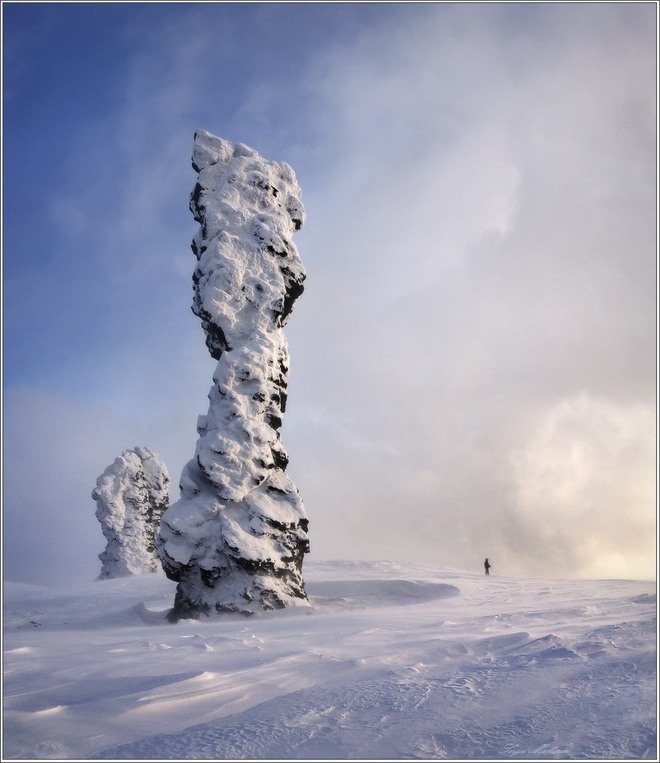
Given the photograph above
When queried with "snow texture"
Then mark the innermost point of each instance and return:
(131, 496)
(390, 661)
(235, 540)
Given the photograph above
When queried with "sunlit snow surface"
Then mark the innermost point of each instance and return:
(389, 661)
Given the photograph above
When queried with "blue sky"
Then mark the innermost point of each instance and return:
(473, 358)
(79, 82)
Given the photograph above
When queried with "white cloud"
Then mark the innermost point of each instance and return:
(480, 250)
(586, 479)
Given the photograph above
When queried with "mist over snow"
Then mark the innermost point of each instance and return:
(388, 661)
(473, 364)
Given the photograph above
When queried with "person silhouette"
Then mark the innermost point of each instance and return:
(487, 566)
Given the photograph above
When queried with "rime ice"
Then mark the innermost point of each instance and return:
(131, 495)
(235, 540)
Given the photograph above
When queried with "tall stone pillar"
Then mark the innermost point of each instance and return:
(235, 540)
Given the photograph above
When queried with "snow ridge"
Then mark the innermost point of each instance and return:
(235, 540)
(131, 496)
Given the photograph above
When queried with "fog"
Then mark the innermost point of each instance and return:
(473, 359)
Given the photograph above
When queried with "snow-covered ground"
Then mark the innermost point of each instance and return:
(390, 661)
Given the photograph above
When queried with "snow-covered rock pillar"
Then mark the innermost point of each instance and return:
(235, 540)
(131, 496)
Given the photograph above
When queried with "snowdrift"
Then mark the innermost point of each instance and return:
(388, 661)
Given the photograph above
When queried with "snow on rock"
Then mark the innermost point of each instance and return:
(235, 540)
(131, 496)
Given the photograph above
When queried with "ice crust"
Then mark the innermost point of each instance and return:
(235, 540)
(131, 496)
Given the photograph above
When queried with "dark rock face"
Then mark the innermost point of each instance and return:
(235, 540)
(131, 496)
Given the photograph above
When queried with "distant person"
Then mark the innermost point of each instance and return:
(487, 566)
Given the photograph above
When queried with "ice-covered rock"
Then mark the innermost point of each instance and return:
(235, 540)
(131, 496)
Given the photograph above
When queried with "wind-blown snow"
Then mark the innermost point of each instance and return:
(131, 496)
(389, 661)
(235, 540)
